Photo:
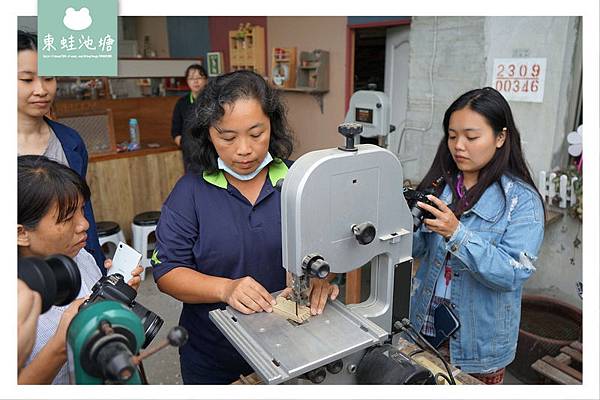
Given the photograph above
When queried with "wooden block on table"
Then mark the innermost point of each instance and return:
(287, 309)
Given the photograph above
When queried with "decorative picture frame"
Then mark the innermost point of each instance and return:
(214, 63)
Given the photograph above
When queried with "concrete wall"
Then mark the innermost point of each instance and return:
(560, 263)
(464, 54)
(314, 130)
(458, 60)
(553, 38)
(465, 51)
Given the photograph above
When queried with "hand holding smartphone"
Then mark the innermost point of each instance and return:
(125, 260)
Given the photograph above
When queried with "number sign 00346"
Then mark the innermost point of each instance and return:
(520, 79)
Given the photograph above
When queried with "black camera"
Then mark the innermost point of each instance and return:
(412, 196)
(56, 278)
(114, 287)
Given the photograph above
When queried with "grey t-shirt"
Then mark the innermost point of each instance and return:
(54, 151)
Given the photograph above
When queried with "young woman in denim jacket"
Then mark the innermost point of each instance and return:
(488, 226)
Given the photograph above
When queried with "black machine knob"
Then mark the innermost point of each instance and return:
(349, 130)
(316, 376)
(364, 233)
(315, 265)
(335, 367)
(177, 336)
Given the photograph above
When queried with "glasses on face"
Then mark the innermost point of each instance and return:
(196, 78)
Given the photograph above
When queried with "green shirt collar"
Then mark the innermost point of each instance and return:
(277, 170)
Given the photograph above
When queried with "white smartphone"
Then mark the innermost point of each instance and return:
(126, 259)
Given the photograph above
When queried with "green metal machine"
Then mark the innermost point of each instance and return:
(102, 341)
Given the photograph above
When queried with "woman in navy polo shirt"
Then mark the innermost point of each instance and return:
(219, 234)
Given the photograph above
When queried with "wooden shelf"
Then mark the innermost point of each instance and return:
(283, 67)
(248, 51)
(314, 69)
(316, 93)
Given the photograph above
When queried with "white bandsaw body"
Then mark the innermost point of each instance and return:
(330, 202)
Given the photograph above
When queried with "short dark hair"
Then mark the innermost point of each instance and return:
(198, 68)
(199, 152)
(26, 41)
(43, 182)
(508, 159)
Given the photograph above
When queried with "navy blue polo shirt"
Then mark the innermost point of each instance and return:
(206, 224)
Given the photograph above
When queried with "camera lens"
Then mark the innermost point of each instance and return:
(57, 279)
(151, 322)
(68, 278)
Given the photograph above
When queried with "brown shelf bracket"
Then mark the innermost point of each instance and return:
(318, 96)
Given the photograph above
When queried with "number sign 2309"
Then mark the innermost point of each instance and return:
(520, 79)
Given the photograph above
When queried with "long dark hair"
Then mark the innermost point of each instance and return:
(508, 159)
(26, 41)
(43, 182)
(198, 151)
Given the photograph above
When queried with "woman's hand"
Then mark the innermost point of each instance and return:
(133, 282)
(320, 290)
(247, 296)
(60, 336)
(445, 222)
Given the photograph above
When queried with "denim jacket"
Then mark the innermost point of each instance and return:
(492, 254)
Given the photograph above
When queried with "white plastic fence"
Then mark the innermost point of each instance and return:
(547, 188)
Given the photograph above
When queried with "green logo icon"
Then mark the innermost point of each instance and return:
(77, 37)
(155, 260)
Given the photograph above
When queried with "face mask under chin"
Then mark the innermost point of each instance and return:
(224, 167)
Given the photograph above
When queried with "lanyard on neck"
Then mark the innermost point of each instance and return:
(460, 190)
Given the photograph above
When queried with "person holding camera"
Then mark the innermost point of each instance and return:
(219, 233)
(478, 244)
(51, 220)
(40, 135)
